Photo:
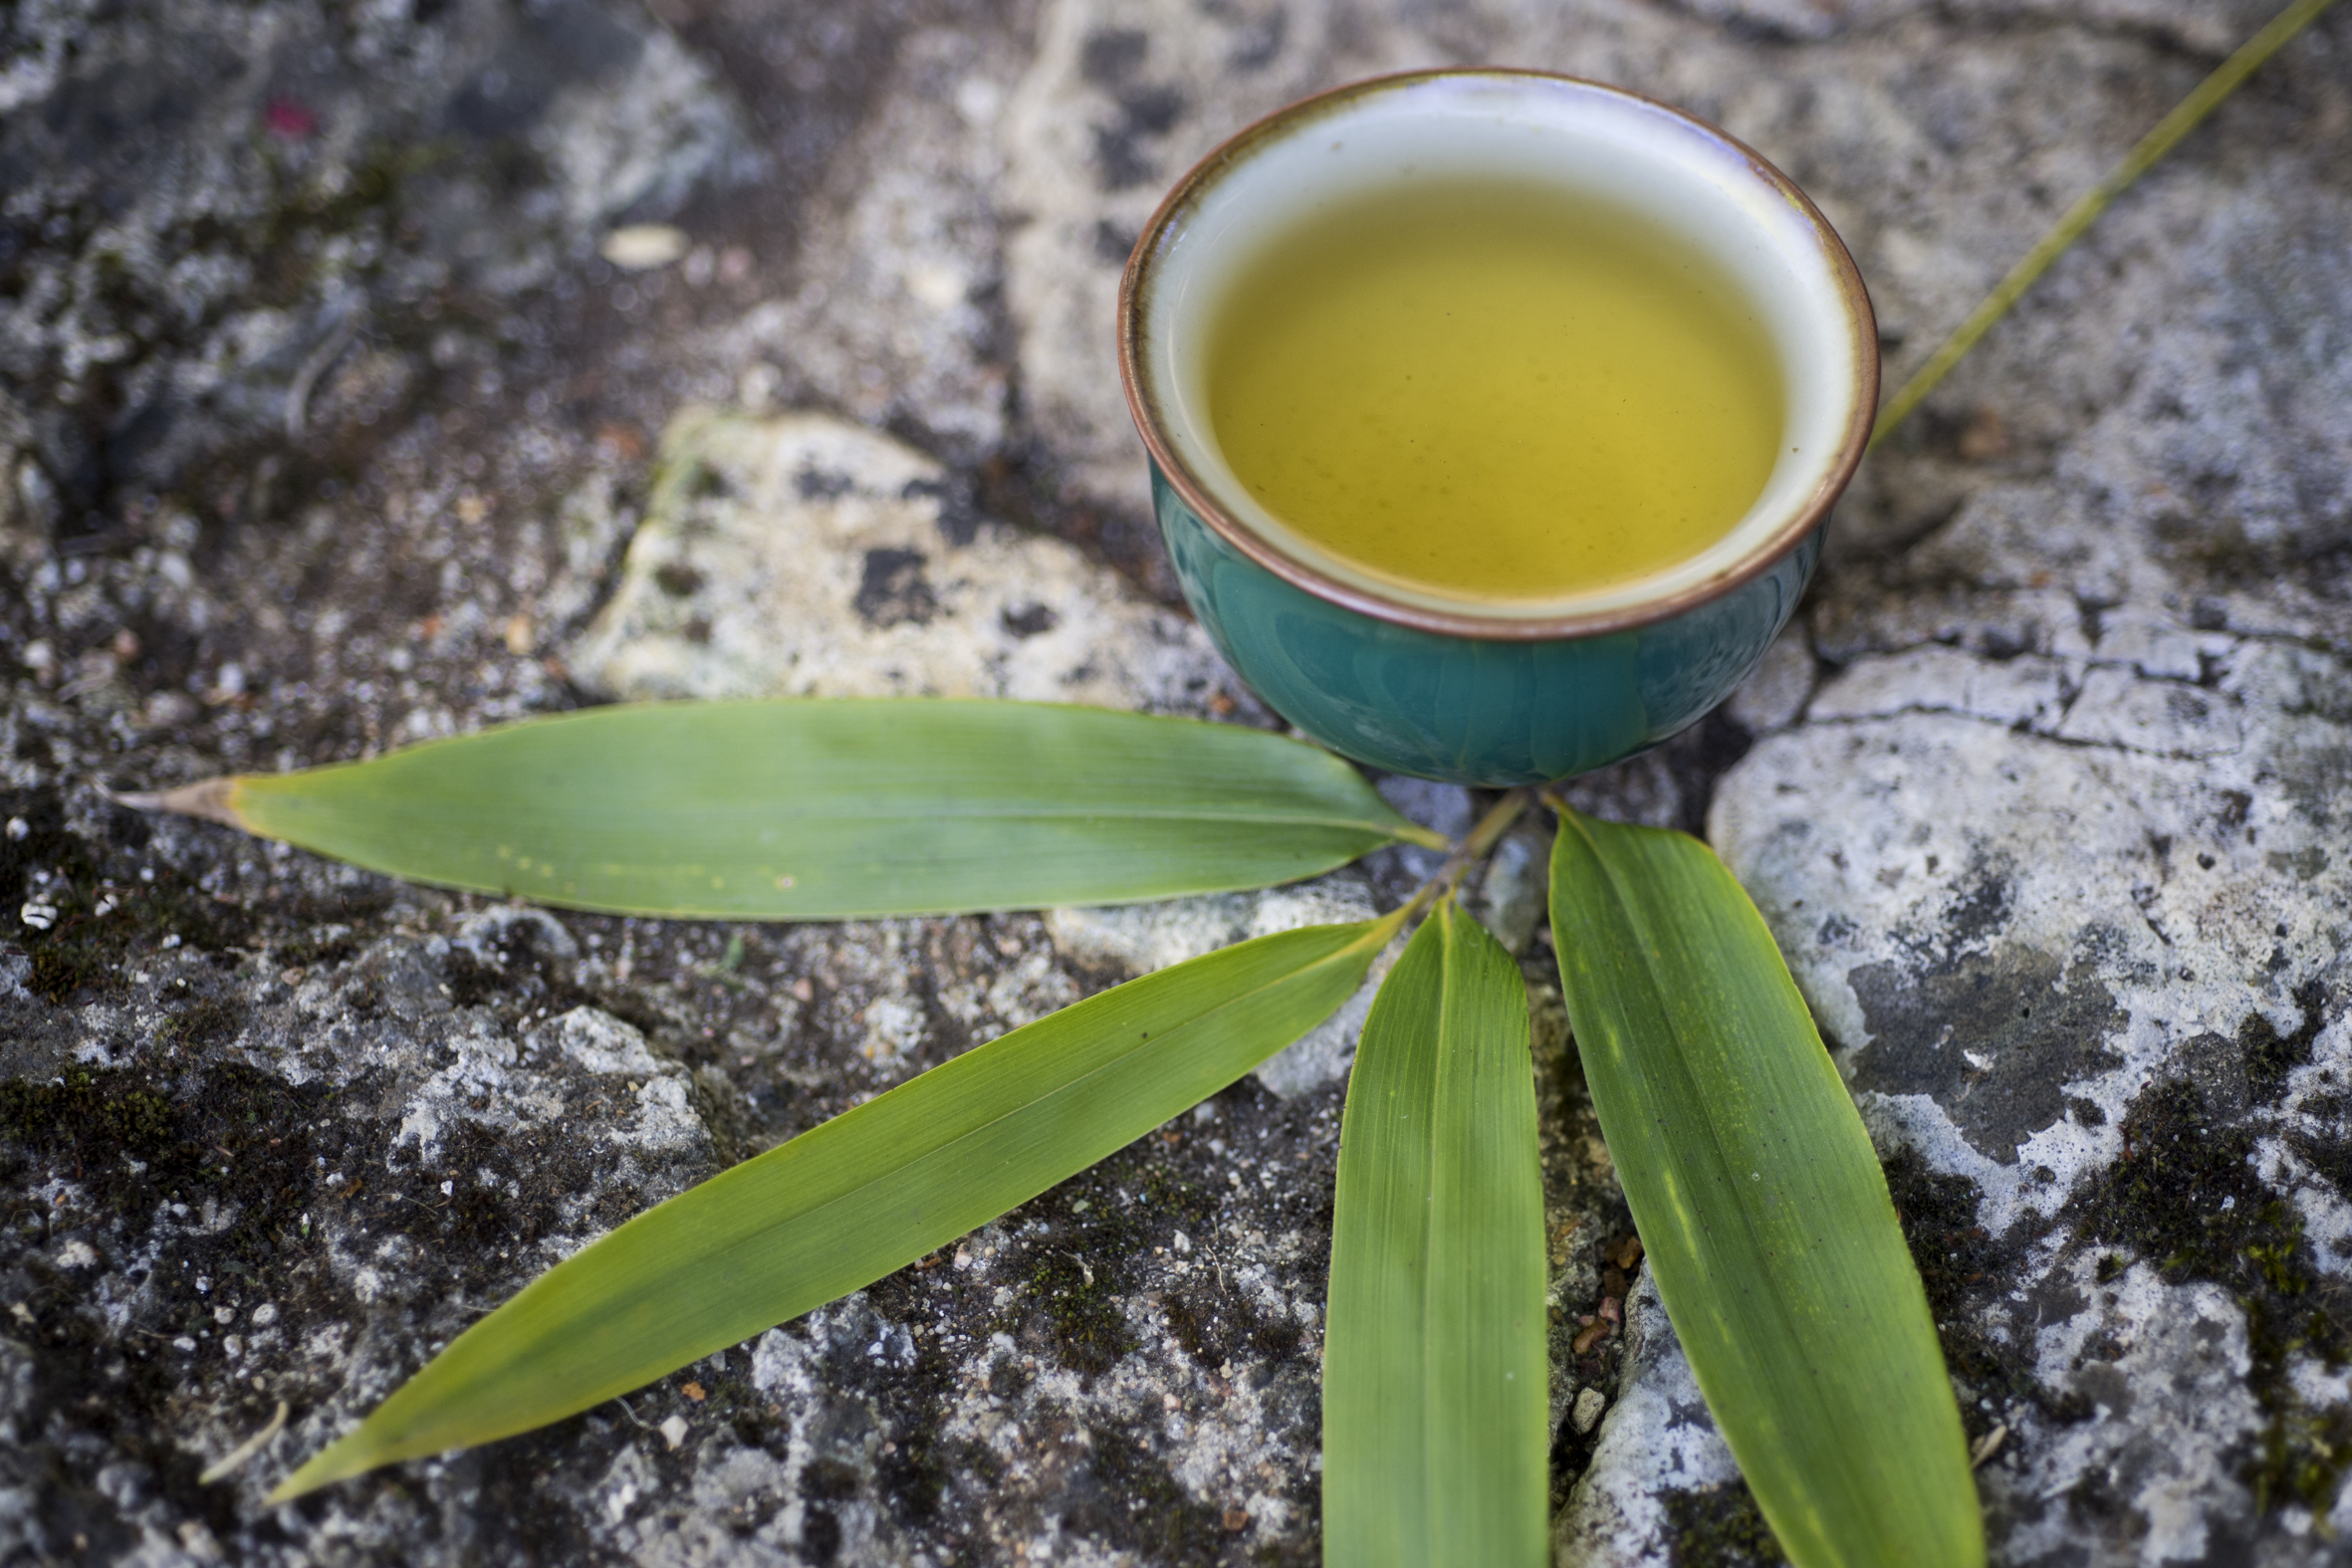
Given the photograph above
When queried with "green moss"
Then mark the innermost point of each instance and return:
(2302, 1456)
(82, 1106)
(1168, 1192)
(133, 1143)
(102, 912)
(1719, 1527)
(50, 866)
(1953, 1254)
(2186, 1199)
(1939, 1217)
(1076, 1277)
(301, 212)
(205, 1021)
(2270, 1055)
(197, 1134)
(63, 968)
(1079, 1275)
(333, 944)
(1139, 1505)
(1084, 1307)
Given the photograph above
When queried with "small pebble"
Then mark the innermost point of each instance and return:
(640, 247)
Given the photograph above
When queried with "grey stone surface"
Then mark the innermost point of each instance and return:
(1655, 1444)
(2058, 854)
(799, 556)
(326, 425)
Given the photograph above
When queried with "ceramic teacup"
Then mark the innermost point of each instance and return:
(1411, 680)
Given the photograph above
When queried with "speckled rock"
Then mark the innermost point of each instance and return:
(1655, 1445)
(802, 556)
(2058, 851)
(324, 427)
(896, 320)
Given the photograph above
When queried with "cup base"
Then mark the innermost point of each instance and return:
(1466, 710)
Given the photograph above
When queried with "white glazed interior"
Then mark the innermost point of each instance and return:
(1602, 145)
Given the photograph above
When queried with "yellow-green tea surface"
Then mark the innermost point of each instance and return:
(1494, 392)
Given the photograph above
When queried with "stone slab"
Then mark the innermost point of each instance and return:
(326, 426)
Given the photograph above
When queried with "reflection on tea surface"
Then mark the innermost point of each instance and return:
(1495, 391)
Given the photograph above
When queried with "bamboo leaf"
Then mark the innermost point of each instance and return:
(1760, 1204)
(867, 1193)
(819, 810)
(1435, 1445)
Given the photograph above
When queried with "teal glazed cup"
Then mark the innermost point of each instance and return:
(1402, 676)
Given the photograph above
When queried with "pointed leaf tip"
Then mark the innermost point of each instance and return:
(215, 799)
(338, 1461)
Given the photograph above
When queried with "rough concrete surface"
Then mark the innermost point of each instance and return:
(326, 424)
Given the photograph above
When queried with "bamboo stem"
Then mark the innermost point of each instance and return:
(2154, 146)
(1482, 837)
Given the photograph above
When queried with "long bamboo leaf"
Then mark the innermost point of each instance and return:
(867, 1193)
(1760, 1204)
(1435, 1450)
(817, 811)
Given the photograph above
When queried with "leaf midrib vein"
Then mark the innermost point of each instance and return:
(1430, 1389)
(947, 806)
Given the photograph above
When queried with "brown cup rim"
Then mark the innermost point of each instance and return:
(1143, 405)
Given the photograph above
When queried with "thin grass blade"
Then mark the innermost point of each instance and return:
(865, 1194)
(1760, 1204)
(821, 810)
(1435, 1447)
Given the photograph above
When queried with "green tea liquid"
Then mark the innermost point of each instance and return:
(1494, 392)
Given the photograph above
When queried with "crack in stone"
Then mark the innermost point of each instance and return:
(2011, 726)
